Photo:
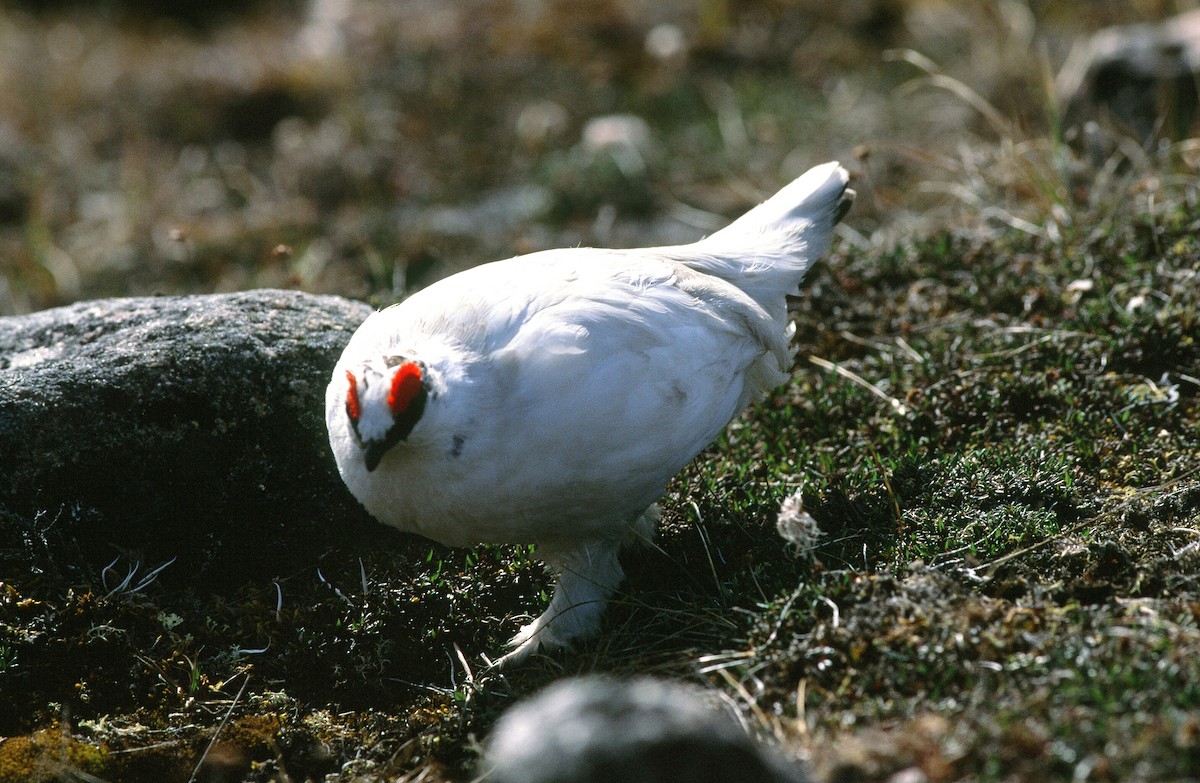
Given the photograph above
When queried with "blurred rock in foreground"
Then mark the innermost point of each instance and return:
(187, 427)
(596, 730)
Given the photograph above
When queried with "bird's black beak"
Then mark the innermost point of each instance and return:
(403, 421)
(373, 452)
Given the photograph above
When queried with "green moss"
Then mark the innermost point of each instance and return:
(47, 755)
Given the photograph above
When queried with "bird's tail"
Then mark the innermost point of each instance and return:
(767, 251)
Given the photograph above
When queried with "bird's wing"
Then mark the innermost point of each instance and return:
(618, 367)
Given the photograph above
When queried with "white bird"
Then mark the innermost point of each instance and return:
(549, 398)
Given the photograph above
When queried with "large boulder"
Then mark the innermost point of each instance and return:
(187, 427)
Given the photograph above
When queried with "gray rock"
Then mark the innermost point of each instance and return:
(598, 730)
(189, 427)
(1143, 75)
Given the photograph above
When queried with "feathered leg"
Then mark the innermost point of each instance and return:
(587, 576)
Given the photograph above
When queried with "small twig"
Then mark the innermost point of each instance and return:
(470, 680)
(935, 78)
(825, 364)
(723, 660)
(750, 701)
(837, 614)
(335, 589)
(217, 733)
(882, 347)
(887, 483)
(124, 585)
(144, 748)
(700, 529)
(783, 613)
(802, 707)
(1007, 352)
(912, 352)
(1189, 547)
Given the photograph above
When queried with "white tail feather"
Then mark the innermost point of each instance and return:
(767, 251)
(810, 204)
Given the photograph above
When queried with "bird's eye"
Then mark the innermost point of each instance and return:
(352, 408)
(405, 385)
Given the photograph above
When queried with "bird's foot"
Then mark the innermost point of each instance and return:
(535, 637)
(587, 576)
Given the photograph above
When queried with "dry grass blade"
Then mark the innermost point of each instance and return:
(896, 405)
(217, 733)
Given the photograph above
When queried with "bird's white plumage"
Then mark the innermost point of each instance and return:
(566, 388)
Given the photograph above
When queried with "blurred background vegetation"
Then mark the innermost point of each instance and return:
(1017, 278)
(366, 148)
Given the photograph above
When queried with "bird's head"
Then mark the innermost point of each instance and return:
(384, 401)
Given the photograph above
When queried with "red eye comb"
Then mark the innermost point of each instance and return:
(352, 409)
(405, 385)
